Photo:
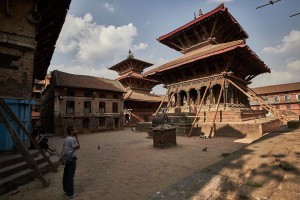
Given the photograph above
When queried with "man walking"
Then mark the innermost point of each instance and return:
(71, 144)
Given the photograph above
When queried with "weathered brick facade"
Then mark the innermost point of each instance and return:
(285, 97)
(88, 108)
(17, 46)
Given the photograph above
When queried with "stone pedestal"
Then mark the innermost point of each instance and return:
(164, 136)
(142, 126)
(293, 124)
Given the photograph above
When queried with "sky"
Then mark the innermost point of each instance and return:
(98, 34)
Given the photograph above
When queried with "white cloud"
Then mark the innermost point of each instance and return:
(93, 43)
(219, 1)
(274, 78)
(293, 65)
(84, 70)
(109, 7)
(290, 44)
(140, 46)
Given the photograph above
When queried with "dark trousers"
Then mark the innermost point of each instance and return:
(68, 178)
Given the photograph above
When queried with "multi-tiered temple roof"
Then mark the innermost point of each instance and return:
(137, 86)
(211, 44)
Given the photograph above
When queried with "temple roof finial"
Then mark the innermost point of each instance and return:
(130, 54)
(200, 13)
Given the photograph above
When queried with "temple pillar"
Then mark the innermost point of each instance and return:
(198, 96)
(211, 96)
(188, 97)
(231, 96)
(178, 103)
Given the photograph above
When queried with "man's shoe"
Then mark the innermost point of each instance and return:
(73, 196)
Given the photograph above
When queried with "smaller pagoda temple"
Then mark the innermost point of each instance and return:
(139, 103)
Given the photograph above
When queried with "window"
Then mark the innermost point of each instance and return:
(85, 123)
(102, 122)
(298, 97)
(70, 107)
(88, 93)
(115, 96)
(287, 98)
(101, 107)
(87, 108)
(115, 107)
(102, 95)
(276, 98)
(266, 99)
(70, 92)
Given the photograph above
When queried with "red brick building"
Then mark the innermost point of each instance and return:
(89, 103)
(285, 97)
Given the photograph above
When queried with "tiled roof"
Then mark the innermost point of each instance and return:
(220, 8)
(277, 88)
(136, 96)
(128, 60)
(198, 55)
(63, 79)
(135, 75)
(53, 14)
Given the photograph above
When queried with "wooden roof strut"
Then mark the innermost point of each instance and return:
(199, 108)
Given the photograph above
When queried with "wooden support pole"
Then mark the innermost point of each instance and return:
(261, 102)
(271, 107)
(170, 100)
(199, 109)
(161, 103)
(137, 117)
(216, 111)
(13, 116)
(23, 150)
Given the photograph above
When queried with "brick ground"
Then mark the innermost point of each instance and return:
(128, 167)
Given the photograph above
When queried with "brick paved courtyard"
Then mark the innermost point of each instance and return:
(127, 166)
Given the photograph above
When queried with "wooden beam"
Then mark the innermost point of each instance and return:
(216, 111)
(13, 116)
(214, 27)
(161, 103)
(261, 102)
(206, 34)
(170, 100)
(176, 45)
(199, 108)
(23, 150)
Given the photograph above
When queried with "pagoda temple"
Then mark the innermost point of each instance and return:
(139, 103)
(208, 83)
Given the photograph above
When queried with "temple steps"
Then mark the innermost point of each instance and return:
(14, 170)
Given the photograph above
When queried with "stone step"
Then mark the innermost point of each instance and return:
(25, 175)
(14, 168)
(11, 159)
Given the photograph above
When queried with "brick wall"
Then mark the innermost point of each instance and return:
(55, 119)
(17, 46)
